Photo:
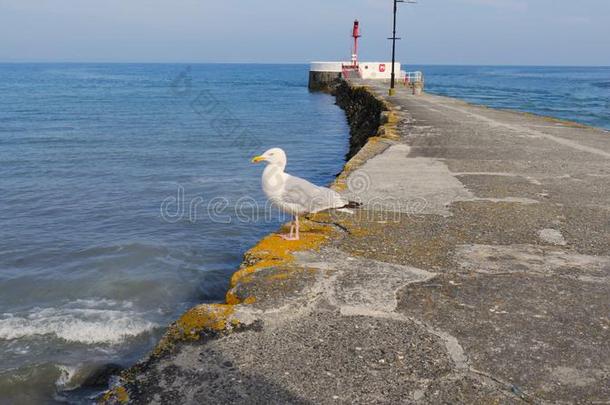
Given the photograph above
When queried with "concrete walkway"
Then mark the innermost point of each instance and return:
(478, 271)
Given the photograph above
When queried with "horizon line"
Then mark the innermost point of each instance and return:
(282, 63)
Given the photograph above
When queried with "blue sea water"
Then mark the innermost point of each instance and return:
(127, 194)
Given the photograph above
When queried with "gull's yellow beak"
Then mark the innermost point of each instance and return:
(257, 159)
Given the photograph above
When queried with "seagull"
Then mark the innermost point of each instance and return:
(294, 195)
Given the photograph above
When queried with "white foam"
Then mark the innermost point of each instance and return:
(18, 349)
(66, 374)
(78, 321)
(100, 302)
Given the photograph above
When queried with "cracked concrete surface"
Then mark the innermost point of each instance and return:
(495, 290)
(429, 180)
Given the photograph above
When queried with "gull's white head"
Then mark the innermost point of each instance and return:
(274, 156)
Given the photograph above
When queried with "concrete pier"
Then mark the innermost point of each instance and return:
(477, 271)
(322, 75)
(321, 81)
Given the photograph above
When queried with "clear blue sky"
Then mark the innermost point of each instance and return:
(541, 32)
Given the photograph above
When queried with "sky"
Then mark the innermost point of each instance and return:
(471, 32)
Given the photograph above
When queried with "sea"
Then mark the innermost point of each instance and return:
(127, 194)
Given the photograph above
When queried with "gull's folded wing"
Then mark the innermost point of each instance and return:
(310, 197)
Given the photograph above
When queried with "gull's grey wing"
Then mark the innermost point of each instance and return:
(309, 197)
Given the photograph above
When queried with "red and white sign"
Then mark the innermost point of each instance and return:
(382, 67)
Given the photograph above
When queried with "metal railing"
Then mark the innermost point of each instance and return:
(348, 71)
(412, 77)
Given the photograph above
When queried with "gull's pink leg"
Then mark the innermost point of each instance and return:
(289, 236)
(294, 224)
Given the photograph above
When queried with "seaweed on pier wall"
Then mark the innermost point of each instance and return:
(364, 111)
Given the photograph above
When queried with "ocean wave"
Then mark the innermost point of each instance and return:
(50, 382)
(30, 384)
(81, 324)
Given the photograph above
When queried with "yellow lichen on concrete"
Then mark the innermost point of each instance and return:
(231, 298)
(214, 317)
(122, 395)
(202, 318)
(116, 395)
(274, 251)
(389, 129)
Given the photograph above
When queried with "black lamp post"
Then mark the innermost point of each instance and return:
(394, 38)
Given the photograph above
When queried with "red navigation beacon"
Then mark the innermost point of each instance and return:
(356, 35)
